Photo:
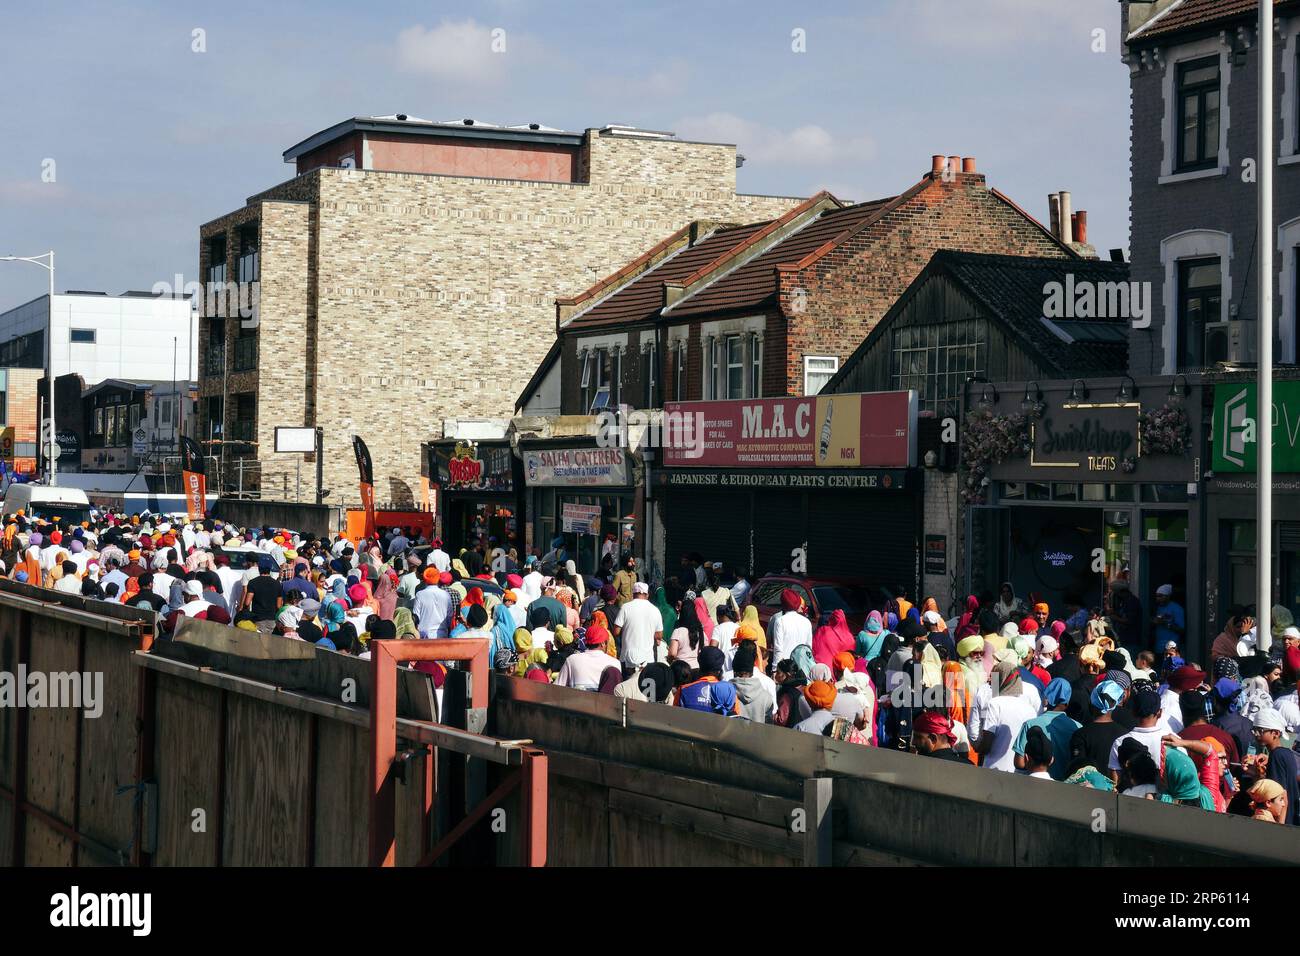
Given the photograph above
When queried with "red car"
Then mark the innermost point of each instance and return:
(820, 595)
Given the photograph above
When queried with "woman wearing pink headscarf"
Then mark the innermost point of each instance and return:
(969, 623)
(706, 622)
(832, 638)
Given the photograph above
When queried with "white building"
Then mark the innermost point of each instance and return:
(135, 335)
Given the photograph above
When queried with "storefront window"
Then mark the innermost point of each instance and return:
(1093, 492)
(1065, 492)
(1038, 491)
(1012, 490)
(1119, 493)
(617, 536)
(1116, 541)
(1162, 493)
(1165, 527)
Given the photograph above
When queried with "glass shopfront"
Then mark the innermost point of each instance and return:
(585, 496)
(1082, 505)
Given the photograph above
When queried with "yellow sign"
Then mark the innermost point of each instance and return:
(838, 430)
(7, 444)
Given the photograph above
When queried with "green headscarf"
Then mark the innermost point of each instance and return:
(1182, 785)
(1090, 777)
(666, 611)
(404, 621)
(802, 656)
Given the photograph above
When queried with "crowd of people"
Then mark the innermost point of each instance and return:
(1005, 685)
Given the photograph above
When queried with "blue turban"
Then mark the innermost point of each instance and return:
(1057, 692)
(1106, 696)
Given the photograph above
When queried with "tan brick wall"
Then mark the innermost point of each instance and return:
(434, 295)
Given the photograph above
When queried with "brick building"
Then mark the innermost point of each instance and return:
(719, 311)
(407, 274)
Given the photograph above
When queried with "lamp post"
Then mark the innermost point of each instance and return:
(49, 352)
(1264, 404)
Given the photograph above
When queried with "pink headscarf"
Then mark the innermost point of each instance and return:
(706, 622)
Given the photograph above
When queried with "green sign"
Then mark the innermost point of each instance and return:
(1236, 427)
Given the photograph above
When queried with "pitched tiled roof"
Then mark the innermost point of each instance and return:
(755, 282)
(641, 299)
(1191, 14)
(1011, 288)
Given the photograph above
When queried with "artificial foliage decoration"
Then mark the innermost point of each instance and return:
(987, 440)
(1165, 431)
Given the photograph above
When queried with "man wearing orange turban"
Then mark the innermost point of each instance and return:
(820, 695)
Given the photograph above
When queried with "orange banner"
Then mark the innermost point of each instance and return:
(368, 503)
(196, 494)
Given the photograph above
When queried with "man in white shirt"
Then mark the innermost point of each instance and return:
(1150, 730)
(194, 603)
(232, 581)
(723, 633)
(996, 720)
(532, 581)
(432, 606)
(639, 628)
(584, 669)
(439, 558)
(788, 628)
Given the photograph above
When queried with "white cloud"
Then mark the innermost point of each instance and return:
(807, 145)
(454, 50)
(1002, 23)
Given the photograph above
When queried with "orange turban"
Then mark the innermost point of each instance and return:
(1040, 606)
(820, 694)
(749, 631)
(843, 661)
(430, 575)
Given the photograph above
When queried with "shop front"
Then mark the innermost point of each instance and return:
(1073, 485)
(1232, 488)
(823, 485)
(474, 491)
(584, 494)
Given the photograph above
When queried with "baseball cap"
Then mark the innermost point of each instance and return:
(1269, 719)
(640, 587)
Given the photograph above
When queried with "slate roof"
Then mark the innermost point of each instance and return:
(1011, 288)
(1011, 291)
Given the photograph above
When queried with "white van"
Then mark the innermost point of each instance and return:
(69, 505)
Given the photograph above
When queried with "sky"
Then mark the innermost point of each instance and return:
(123, 130)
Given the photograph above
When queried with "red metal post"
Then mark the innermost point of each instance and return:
(532, 800)
(384, 656)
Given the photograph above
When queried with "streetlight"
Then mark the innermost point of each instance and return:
(1264, 392)
(49, 348)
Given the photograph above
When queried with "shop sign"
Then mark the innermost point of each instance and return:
(580, 519)
(1235, 427)
(892, 480)
(936, 554)
(581, 467)
(856, 430)
(1095, 438)
(468, 466)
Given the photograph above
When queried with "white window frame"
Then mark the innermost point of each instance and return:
(97, 421)
(807, 370)
(1288, 238)
(1190, 244)
(755, 364)
(1170, 125)
(742, 363)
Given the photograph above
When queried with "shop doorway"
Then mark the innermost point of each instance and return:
(467, 522)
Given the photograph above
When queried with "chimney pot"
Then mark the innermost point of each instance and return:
(1067, 224)
(1081, 226)
(1054, 213)
(954, 165)
(968, 164)
(936, 163)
